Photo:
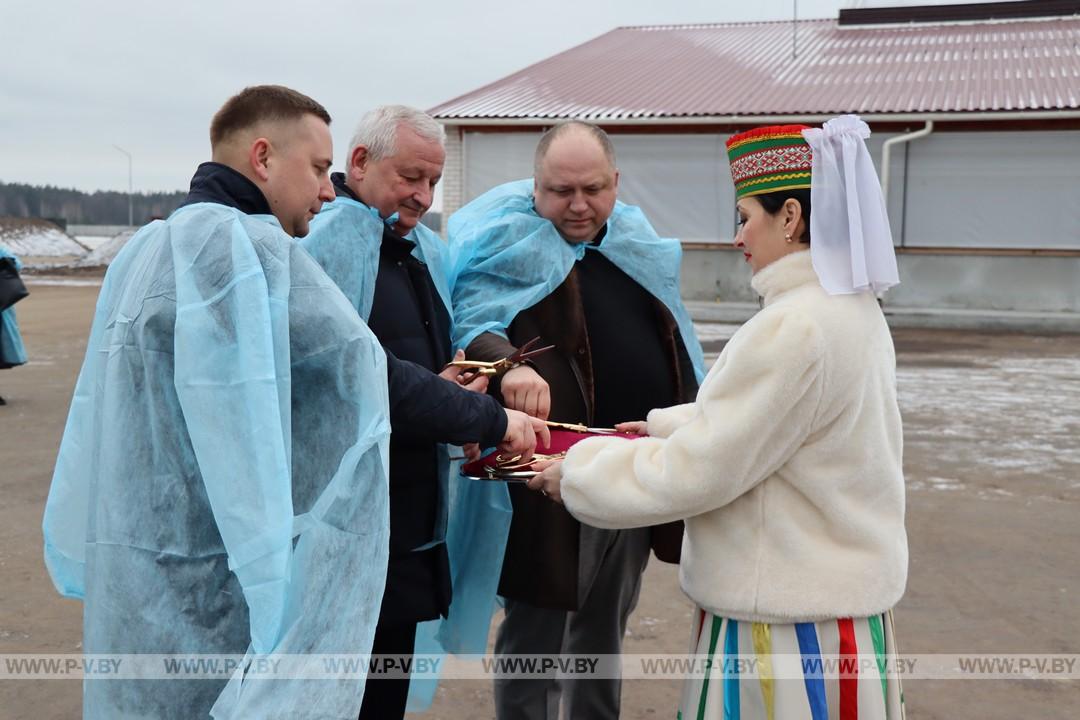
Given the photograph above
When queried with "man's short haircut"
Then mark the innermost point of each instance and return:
(262, 103)
(377, 130)
(555, 131)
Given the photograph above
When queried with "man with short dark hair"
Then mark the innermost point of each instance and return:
(261, 104)
(394, 270)
(222, 486)
(558, 257)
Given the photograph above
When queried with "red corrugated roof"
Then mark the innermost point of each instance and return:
(747, 69)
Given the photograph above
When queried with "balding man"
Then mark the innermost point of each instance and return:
(394, 271)
(221, 487)
(558, 257)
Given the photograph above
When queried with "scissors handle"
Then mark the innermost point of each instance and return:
(469, 374)
(474, 368)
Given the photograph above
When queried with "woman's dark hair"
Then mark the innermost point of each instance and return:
(772, 202)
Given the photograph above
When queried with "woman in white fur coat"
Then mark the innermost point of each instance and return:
(788, 467)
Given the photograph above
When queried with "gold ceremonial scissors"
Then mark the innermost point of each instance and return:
(581, 428)
(474, 368)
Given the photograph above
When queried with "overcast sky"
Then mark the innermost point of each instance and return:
(78, 77)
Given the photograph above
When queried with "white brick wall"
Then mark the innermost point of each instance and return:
(453, 179)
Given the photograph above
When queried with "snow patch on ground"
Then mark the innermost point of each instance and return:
(104, 253)
(35, 238)
(1000, 424)
(996, 417)
(93, 241)
(32, 280)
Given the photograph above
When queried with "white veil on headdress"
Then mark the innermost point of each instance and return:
(851, 245)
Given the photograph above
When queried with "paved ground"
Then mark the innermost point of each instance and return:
(992, 430)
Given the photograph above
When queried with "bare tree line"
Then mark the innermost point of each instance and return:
(69, 206)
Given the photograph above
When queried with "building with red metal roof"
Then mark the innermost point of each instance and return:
(750, 72)
(977, 107)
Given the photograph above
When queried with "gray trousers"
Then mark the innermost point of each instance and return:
(611, 564)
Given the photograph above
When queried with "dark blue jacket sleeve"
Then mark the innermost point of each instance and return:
(427, 407)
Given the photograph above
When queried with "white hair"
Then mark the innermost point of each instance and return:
(377, 130)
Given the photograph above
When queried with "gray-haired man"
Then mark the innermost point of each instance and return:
(371, 244)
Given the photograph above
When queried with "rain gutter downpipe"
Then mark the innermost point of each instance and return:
(886, 153)
(887, 162)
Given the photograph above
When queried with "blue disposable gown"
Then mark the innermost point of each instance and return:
(506, 258)
(222, 481)
(345, 238)
(12, 351)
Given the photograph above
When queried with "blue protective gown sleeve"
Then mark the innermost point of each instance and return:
(344, 239)
(233, 382)
(65, 524)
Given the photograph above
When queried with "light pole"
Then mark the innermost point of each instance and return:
(130, 190)
(794, 29)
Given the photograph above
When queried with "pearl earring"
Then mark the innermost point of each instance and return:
(787, 236)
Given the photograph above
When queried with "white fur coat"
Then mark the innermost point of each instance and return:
(787, 468)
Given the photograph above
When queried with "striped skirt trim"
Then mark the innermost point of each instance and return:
(749, 671)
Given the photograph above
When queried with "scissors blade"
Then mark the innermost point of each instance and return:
(525, 351)
(577, 427)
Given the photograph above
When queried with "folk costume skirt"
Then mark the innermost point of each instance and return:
(829, 670)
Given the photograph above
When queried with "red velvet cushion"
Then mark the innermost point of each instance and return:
(561, 440)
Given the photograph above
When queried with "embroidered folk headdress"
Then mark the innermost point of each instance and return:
(767, 159)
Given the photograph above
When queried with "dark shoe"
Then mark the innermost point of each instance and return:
(3, 401)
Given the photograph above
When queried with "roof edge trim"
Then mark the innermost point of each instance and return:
(958, 116)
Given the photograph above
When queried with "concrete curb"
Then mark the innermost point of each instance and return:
(932, 318)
